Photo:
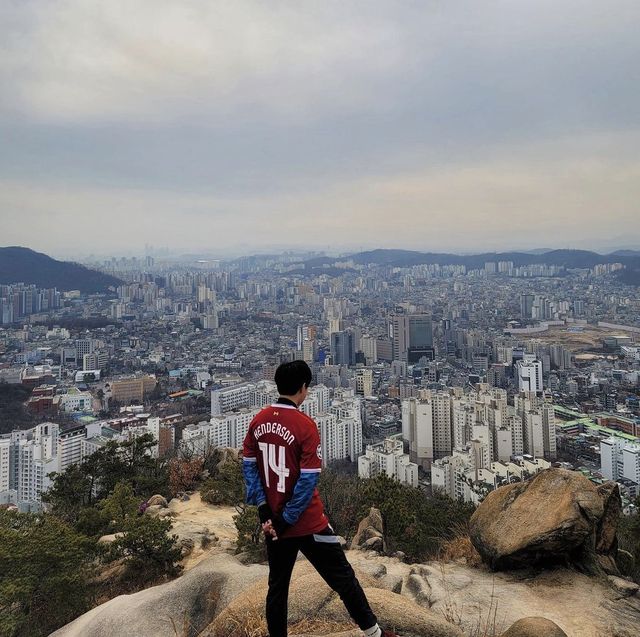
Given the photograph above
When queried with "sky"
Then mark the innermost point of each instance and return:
(254, 126)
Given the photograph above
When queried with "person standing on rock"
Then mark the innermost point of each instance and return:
(281, 464)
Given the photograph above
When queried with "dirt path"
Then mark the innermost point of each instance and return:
(195, 519)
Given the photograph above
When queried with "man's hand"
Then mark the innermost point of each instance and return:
(279, 525)
(268, 530)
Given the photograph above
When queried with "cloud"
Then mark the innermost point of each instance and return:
(151, 61)
(414, 123)
(540, 197)
(158, 60)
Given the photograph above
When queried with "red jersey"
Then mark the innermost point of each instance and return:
(285, 443)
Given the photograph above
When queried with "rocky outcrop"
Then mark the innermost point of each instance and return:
(220, 593)
(217, 592)
(228, 454)
(534, 627)
(110, 538)
(623, 586)
(557, 517)
(581, 605)
(157, 500)
(625, 562)
(158, 511)
(370, 533)
(311, 599)
(189, 602)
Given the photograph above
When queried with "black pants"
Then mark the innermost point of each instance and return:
(326, 555)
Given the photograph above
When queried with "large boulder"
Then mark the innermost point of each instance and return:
(625, 587)
(370, 533)
(157, 500)
(397, 612)
(319, 610)
(188, 602)
(556, 517)
(625, 562)
(228, 455)
(534, 627)
(110, 538)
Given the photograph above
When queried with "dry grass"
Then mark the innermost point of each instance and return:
(248, 626)
(318, 627)
(253, 624)
(459, 548)
(488, 625)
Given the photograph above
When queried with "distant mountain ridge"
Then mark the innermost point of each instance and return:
(408, 258)
(22, 265)
(626, 253)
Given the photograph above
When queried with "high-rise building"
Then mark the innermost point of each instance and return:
(426, 427)
(384, 349)
(96, 360)
(369, 347)
(463, 419)
(305, 332)
(412, 336)
(85, 346)
(341, 432)
(526, 305)
(343, 351)
(210, 320)
(225, 430)
(631, 463)
(309, 350)
(236, 397)
(530, 375)
(442, 434)
(70, 447)
(27, 459)
(538, 425)
(6, 452)
(364, 382)
(399, 332)
(323, 397)
(611, 459)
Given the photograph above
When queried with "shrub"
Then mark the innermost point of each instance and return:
(629, 540)
(83, 485)
(147, 547)
(120, 505)
(250, 534)
(227, 487)
(457, 548)
(44, 574)
(414, 524)
(184, 474)
(209, 493)
(342, 496)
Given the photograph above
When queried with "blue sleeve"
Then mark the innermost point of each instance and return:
(255, 492)
(301, 497)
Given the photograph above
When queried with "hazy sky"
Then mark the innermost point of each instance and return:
(240, 126)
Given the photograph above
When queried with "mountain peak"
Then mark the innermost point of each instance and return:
(19, 264)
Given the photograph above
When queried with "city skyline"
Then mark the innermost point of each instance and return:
(235, 127)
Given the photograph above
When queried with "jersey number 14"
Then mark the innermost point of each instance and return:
(279, 467)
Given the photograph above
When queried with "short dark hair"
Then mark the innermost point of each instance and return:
(290, 377)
